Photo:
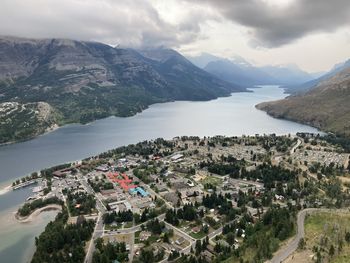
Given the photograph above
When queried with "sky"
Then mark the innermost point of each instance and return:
(313, 34)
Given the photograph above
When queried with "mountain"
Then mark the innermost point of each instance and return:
(191, 81)
(287, 75)
(83, 81)
(326, 106)
(203, 59)
(304, 87)
(240, 71)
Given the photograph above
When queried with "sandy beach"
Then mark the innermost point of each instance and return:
(37, 212)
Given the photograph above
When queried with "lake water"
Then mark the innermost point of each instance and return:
(231, 116)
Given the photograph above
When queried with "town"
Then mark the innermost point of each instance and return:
(188, 199)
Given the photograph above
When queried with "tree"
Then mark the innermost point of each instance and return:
(146, 256)
(230, 238)
(198, 247)
(331, 251)
(301, 244)
(205, 229)
(347, 237)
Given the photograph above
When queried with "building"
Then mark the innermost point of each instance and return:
(138, 190)
(176, 157)
(180, 241)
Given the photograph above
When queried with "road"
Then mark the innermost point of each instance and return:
(295, 147)
(285, 252)
(98, 232)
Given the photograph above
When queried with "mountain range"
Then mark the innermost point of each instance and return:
(240, 71)
(82, 81)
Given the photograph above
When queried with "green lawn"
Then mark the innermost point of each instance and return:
(113, 227)
(198, 235)
(212, 180)
(137, 237)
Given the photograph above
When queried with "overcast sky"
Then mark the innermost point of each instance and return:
(314, 34)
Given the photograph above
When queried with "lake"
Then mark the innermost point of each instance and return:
(231, 116)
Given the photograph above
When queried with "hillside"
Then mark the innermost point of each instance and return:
(306, 86)
(18, 121)
(326, 106)
(84, 81)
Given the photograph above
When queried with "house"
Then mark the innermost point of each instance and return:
(172, 197)
(180, 241)
(102, 168)
(177, 157)
(144, 235)
(196, 230)
(279, 197)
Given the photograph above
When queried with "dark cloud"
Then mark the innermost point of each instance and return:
(124, 22)
(274, 26)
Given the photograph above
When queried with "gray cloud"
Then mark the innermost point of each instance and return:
(124, 22)
(273, 27)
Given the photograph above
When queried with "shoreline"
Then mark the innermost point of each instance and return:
(56, 126)
(30, 218)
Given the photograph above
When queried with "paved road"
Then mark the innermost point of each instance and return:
(98, 231)
(285, 252)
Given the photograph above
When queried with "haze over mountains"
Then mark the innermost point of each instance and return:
(240, 71)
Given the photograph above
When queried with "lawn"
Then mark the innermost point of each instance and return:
(198, 235)
(113, 227)
(137, 237)
(128, 224)
(212, 180)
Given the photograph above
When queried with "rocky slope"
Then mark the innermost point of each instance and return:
(326, 106)
(18, 121)
(84, 81)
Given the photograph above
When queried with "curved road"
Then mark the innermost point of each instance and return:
(285, 252)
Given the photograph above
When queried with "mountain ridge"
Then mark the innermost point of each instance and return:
(240, 71)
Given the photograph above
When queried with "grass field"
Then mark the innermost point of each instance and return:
(323, 230)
